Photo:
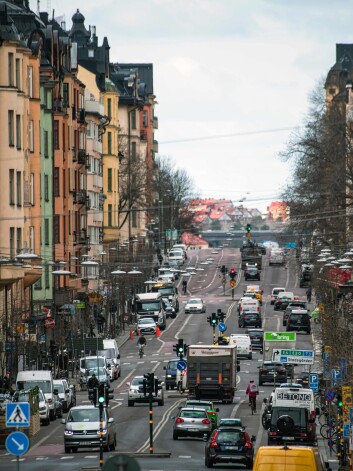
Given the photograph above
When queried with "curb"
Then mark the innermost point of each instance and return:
(166, 454)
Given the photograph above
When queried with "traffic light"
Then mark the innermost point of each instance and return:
(179, 347)
(108, 395)
(92, 396)
(248, 228)
(209, 320)
(149, 377)
(220, 315)
(144, 386)
(214, 319)
(157, 386)
(339, 400)
(223, 269)
(232, 273)
(185, 348)
(101, 395)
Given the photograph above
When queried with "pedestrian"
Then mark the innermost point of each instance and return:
(185, 285)
(308, 294)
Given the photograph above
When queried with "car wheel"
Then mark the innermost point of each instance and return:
(130, 403)
(260, 383)
(250, 356)
(208, 463)
(175, 436)
(161, 403)
(112, 446)
(167, 387)
(309, 332)
(249, 464)
(67, 449)
(74, 449)
(52, 414)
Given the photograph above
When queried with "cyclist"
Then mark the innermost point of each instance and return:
(141, 343)
(93, 382)
(252, 391)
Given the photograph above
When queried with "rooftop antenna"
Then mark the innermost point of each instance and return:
(38, 6)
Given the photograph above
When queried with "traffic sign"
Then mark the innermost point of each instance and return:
(49, 323)
(17, 443)
(351, 415)
(280, 337)
(345, 430)
(314, 381)
(329, 395)
(232, 283)
(181, 365)
(222, 327)
(17, 414)
(336, 377)
(125, 462)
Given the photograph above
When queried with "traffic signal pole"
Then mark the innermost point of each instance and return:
(151, 422)
(101, 435)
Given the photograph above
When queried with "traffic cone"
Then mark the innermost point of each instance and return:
(131, 334)
(158, 331)
(138, 333)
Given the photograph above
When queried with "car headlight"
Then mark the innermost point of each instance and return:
(104, 431)
(43, 408)
(132, 390)
(68, 432)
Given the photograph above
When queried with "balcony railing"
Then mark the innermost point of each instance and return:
(155, 122)
(155, 146)
(82, 157)
(81, 117)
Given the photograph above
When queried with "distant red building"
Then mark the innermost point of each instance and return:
(277, 210)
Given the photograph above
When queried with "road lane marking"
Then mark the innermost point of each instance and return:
(155, 367)
(235, 409)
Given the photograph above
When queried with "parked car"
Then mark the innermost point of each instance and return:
(191, 422)
(44, 411)
(63, 393)
(135, 393)
(146, 325)
(272, 372)
(229, 445)
(299, 320)
(208, 406)
(82, 429)
(195, 305)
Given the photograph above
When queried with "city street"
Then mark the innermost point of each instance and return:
(47, 450)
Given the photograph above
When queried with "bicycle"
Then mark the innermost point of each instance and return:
(252, 404)
(326, 430)
(141, 351)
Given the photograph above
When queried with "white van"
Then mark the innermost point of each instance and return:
(44, 380)
(243, 343)
(90, 362)
(276, 257)
(294, 397)
(250, 304)
(112, 343)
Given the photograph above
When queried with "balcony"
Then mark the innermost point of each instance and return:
(81, 238)
(81, 117)
(84, 282)
(74, 154)
(155, 146)
(155, 122)
(82, 157)
(94, 107)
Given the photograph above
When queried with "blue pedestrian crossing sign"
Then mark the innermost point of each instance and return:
(17, 443)
(17, 414)
(181, 365)
(314, 382)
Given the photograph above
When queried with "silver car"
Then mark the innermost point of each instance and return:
(136, 394)
(63, 393)
(191, 422)
(82, 429)
(195, 305)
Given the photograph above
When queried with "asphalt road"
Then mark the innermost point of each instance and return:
(47, 450)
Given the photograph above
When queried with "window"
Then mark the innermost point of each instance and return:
(12, 186)
(10, 70)
(18, 188)
(64, 138)
(18, 131)
(46, 187)
(56, 134)
(90, 53)
(56, 229)
(12, 243)
(145, 119)
(133, 119)
(109, 142)
(46, 144)
(56, 182)
(31, 189)
(66, 95)
(31, 136)
(109, 107)
(30, 82)
(31, 238)
(110, 215)
(133, 151)
(133, 217)
(110, 178)
(19, 239)
(18, 74)
(46, 277)
(11, 128)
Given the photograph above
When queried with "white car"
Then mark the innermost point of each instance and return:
(113, 369)
(63, 393)
(44, 411)
(195, 305)
(275, 293)
(136, 394)
(146, 325)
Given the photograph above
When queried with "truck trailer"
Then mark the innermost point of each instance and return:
(212, 372)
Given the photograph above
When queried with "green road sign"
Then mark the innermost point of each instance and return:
(297, 353)
(280, 336)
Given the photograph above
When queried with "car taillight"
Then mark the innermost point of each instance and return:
(179, 420)
(272, 433)
(282, 370)
(214, 443)
(263, 370)
(248, 445)
(303, 435)
(206, 421)
(211, 413)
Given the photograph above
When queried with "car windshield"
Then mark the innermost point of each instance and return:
(166, 291)
(96, 371)
(299, 317)
(148, 306)
(276, 291)
(230, 422)
(194, 301)
(233, 437)
(59, 387)
(83, 415)
(147, 320)
(88, 363)
(172, 365)
(137, 382)
(256, 334)
(193, 414)
(199, 406)
(45, 386)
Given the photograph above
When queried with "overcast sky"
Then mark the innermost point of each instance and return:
(224, 67)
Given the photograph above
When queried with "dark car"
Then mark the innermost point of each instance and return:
(256, 338)
(299, 320)
(229, 445)
(293, 305)
(291, 425)
(303, 379)
(252, 273)
(171, 374)
(281, 303)
(272, 372)
(250, 318)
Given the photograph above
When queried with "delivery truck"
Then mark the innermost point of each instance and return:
(212, 372)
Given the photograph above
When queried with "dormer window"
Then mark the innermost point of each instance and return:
(91, 53)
